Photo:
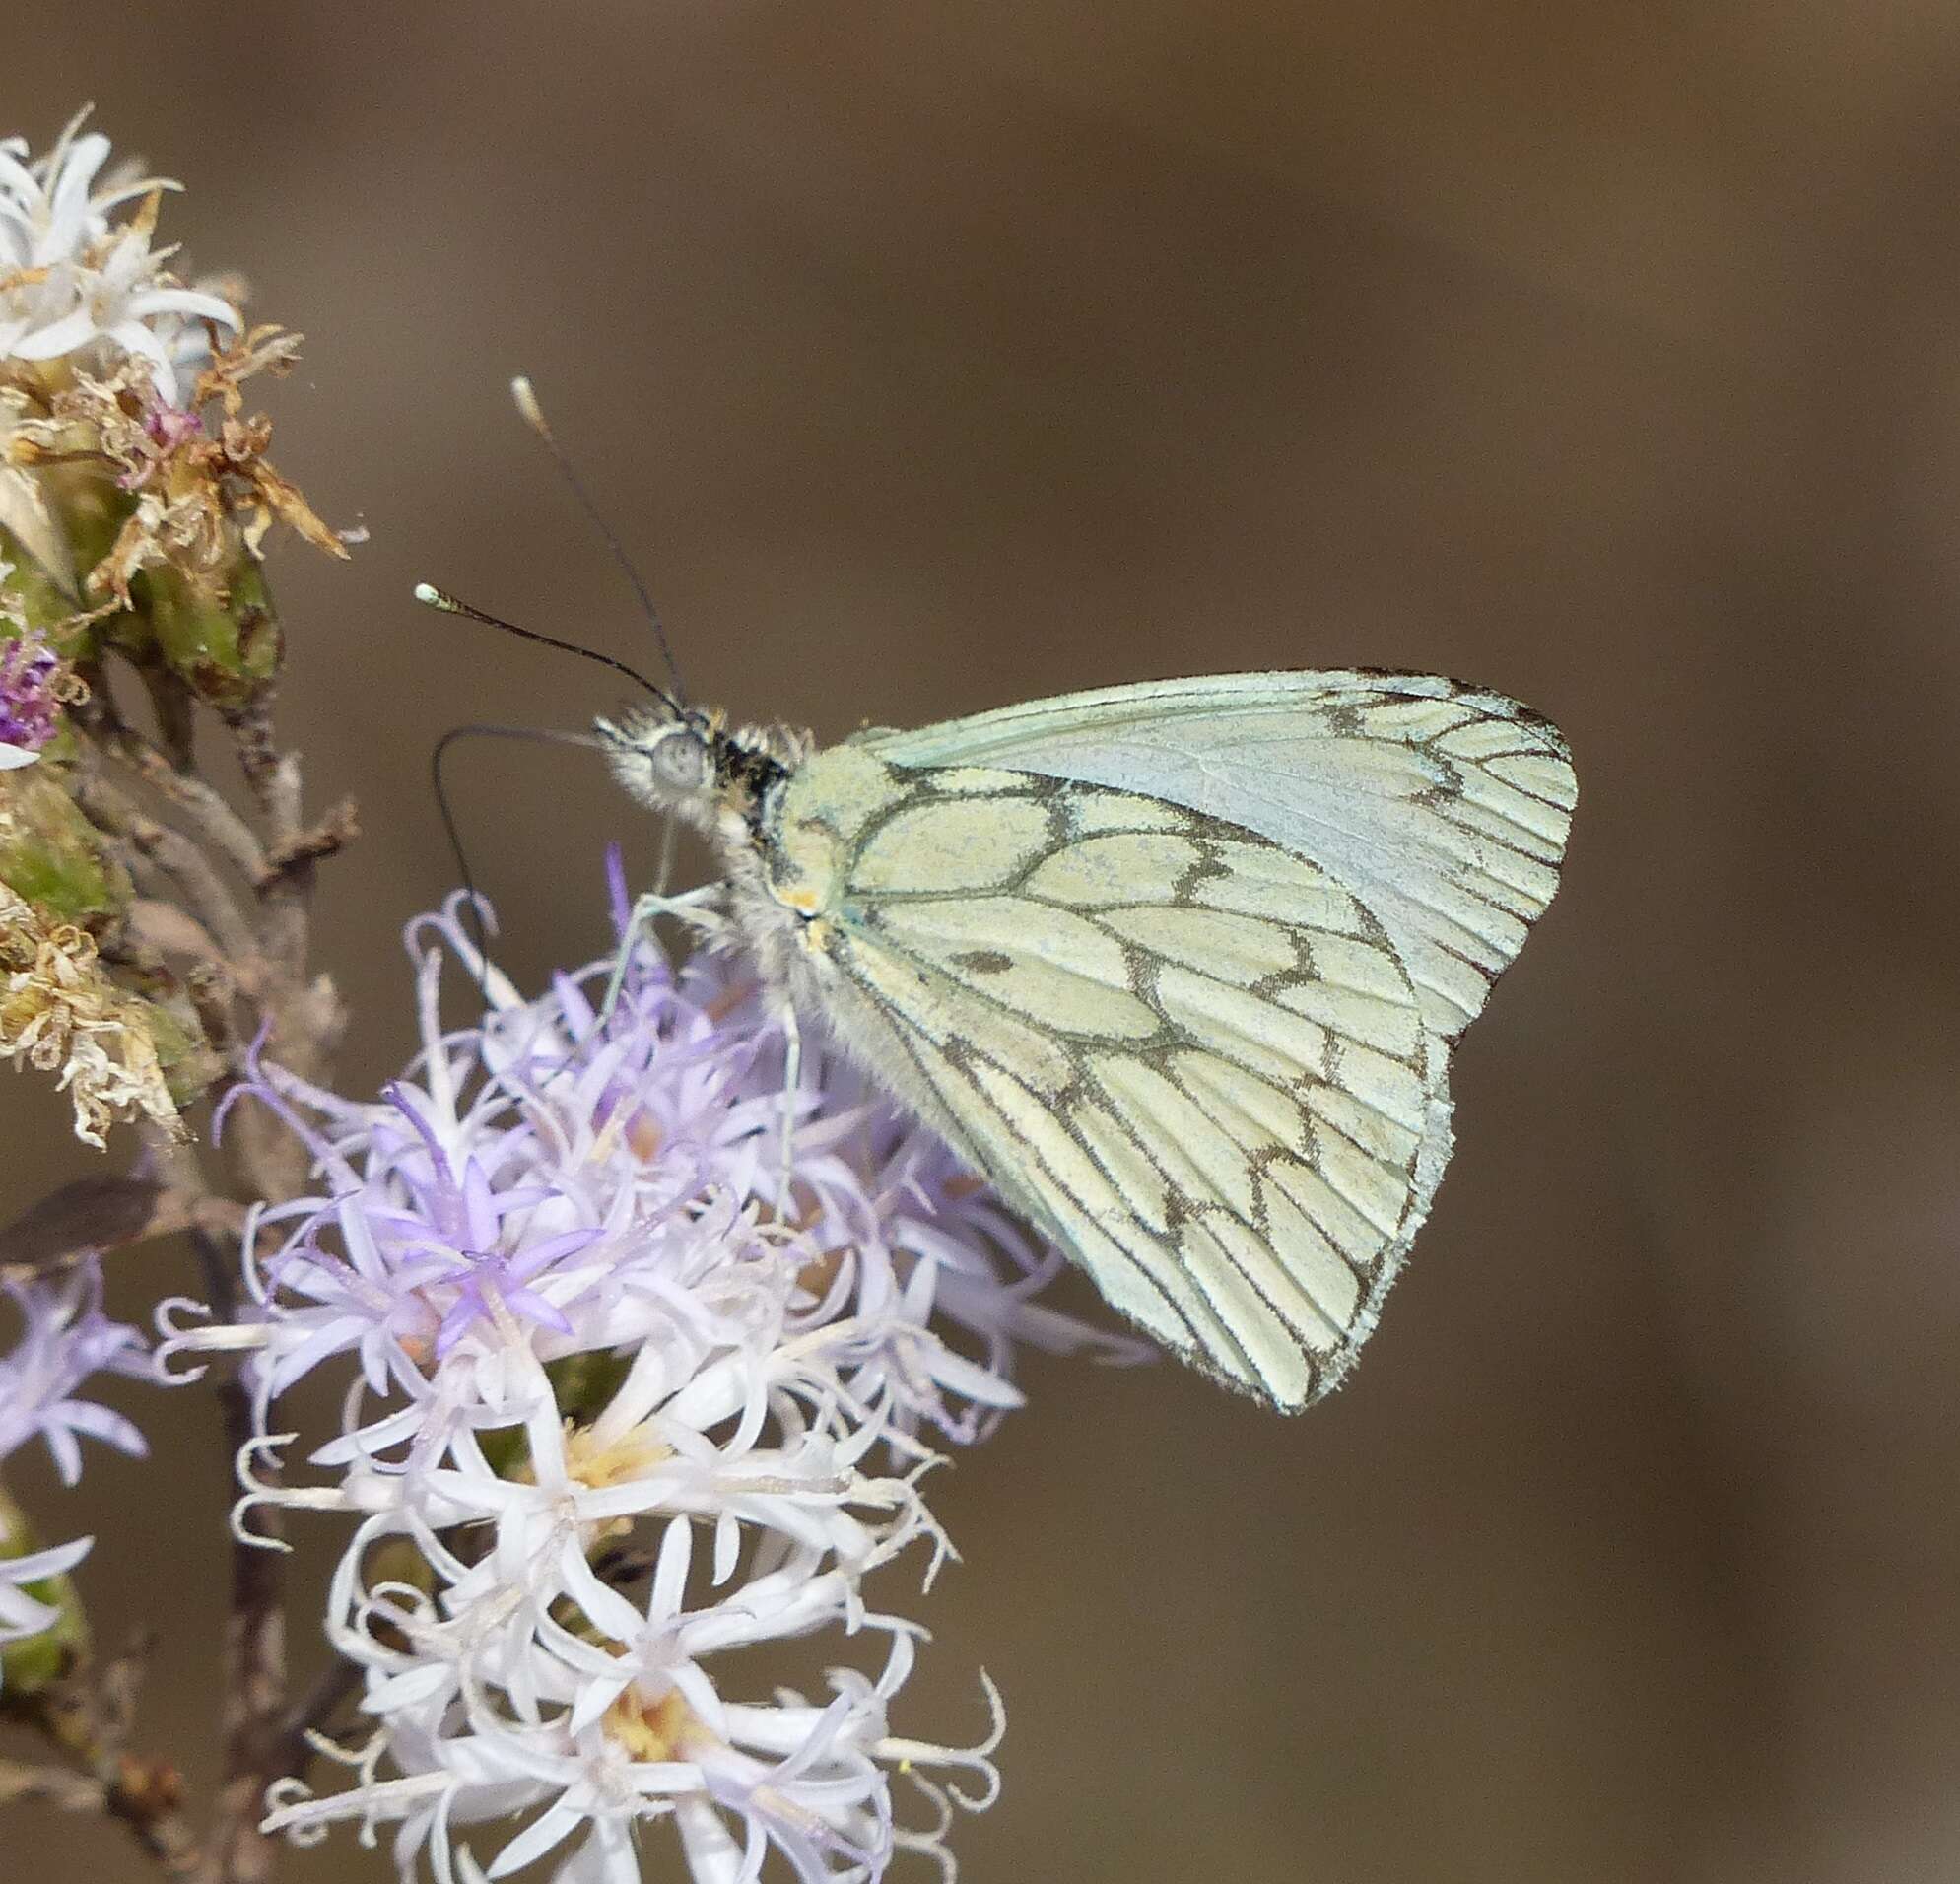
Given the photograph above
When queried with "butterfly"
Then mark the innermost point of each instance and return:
(1179, 966)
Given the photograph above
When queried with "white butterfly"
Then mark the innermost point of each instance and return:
(1178, 965)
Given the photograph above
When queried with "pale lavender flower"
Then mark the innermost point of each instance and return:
(65, 1339)
(636, 1408)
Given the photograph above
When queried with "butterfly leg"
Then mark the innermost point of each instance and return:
(670, 834)
(691, 905)
(793, 1083)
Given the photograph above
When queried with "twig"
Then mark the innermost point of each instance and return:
(332, 1688)
(252, 1709)
(163, 928)
(200, 873)
(51, 1786)
(252, 1714)
(284, 901)
(182, 861)
(260, 760)
(88, 1714)
(333, 832)
(306, 1011)
(216, 823)
(307, 1019)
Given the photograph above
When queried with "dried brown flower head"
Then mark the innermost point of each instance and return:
(199, 472)
(60, 1012)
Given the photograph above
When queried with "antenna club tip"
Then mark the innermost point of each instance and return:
(528, 409)
(429, 596)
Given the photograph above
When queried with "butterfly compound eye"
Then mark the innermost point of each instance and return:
(663, 765)
(679, 760)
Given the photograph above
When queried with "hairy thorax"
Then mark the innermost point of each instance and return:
(788, 862)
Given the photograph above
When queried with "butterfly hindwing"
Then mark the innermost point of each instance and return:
(1197, 1059)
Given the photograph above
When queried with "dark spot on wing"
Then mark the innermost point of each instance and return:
(983, 961)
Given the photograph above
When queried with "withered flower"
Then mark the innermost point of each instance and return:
(60, 1013)
(201, 481)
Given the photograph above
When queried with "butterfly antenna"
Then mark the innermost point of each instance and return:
(429, 596)
(532, 414)
(472, 903)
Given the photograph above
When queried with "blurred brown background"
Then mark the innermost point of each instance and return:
(937, 356)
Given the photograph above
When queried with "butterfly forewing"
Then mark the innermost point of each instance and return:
(1442, 808)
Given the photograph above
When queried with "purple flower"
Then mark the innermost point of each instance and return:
(29, 702)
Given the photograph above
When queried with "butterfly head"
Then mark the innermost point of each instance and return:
(690, 765)
(663, 755)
